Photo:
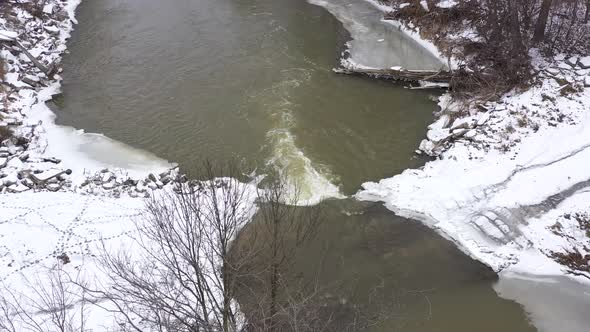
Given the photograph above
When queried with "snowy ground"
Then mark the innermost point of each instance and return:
(37, 228)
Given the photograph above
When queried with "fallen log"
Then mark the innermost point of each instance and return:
(400, 74)
(48, 71)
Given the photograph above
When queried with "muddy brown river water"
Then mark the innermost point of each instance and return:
(253, 81)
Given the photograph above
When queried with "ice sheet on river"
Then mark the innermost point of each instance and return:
(377, 43)
(88, 151)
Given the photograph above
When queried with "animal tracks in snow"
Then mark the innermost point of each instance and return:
(35, 229)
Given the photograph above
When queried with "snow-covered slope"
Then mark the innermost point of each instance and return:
(506, 173)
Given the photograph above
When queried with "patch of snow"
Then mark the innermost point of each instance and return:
(48, 8)
(446, 4)
(584, 62)
(424, 5)
(6, 35)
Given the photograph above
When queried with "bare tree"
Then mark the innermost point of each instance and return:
(180, 276)
(516, 35)
(55, 304)
(587, 15)
(283, 228)
(198, 246)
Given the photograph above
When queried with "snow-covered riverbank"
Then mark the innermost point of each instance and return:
(510, 175)
(42, 155)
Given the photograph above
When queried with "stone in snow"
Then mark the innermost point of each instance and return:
(442, 122)
(18, 188)
(483, 119)
(552, 71)
(500, 108)
(573, 61)
(584, 62)
(426, 146)
(106, 177)
(10, 179)
(28, 182)
(563, 65)
(437, 135)
(140, 187)
(33, 78)
(48, 9)
(51, 29)
(462, 124)
(53, 186)
(48, 174)
(470, 134)
(6, 35)
(15, 163)
(587, 82)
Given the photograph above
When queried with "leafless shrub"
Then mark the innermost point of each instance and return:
(190, 256)
(54, 304)
(282, 228)
(576, 258)
(180, 277)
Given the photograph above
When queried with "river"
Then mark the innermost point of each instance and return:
(252, 81)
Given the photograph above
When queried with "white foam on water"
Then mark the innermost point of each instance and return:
(308, 183)
(304, 180)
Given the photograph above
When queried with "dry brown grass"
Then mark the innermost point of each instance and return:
(577, 263)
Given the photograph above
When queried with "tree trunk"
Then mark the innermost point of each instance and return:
(274, 275)
(587, 16)
(226, 295)
(516, 36)
(539, 34)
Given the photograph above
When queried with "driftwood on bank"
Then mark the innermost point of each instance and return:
(48, 71)
(440, 76)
